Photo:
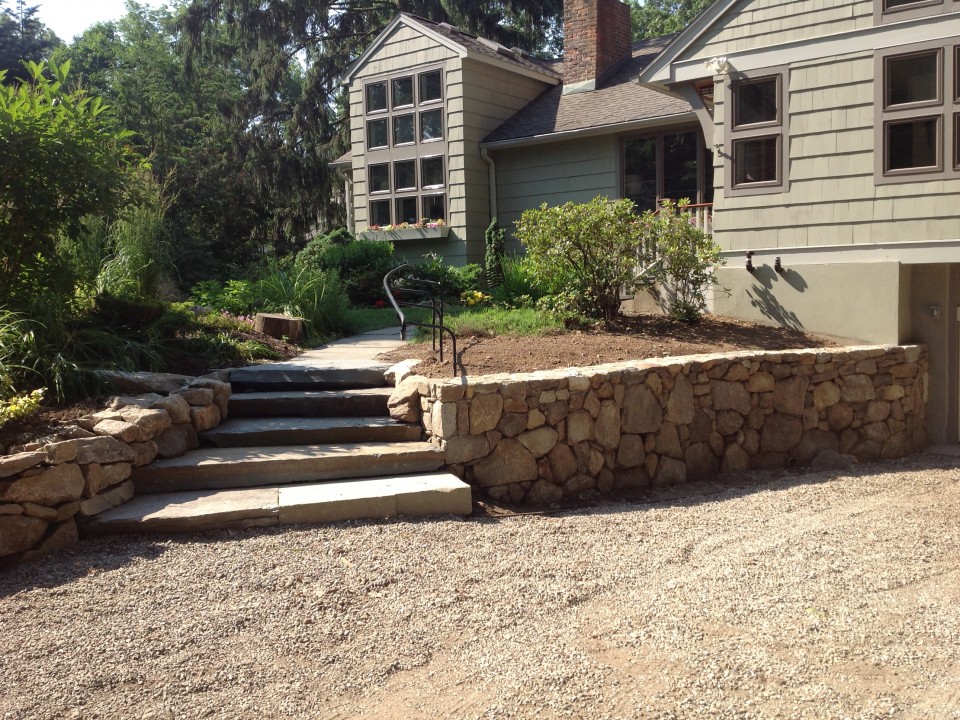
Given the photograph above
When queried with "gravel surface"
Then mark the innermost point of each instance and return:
(792, 596)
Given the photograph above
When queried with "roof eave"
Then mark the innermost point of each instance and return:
(659, 71)
(644, 123)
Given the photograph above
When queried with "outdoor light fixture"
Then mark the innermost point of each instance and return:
(718, 65)
(777, 266)
(750, 267)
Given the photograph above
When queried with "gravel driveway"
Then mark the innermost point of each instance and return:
(800, 596)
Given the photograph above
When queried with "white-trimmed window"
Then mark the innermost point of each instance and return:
(756, 133)
(406, 148)
(917, 113)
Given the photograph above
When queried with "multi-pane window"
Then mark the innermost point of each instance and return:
(406, 148)
(918, 113)
(674, 165)
(756, 133)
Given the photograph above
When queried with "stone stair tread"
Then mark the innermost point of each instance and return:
(414, 495)
(310, 374)
(311, 403)
(280, 431)
(217, 468)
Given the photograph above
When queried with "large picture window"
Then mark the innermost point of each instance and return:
(405, 118)
(756, 132)
(917, 105)
(674, 165)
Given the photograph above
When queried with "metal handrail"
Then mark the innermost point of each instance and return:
(432, 301)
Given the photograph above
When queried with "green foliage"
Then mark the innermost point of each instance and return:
(60, 160)
(23, 37)
(493, 256)
(653, 18)
(239, 297)
(453, 280)
(689, 258)
(586, 253)
(360, 264)
(20, 406)
(18, 358)
(490, 321)
(317, 297)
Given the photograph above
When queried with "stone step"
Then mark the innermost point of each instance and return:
(253, 432)
(372, 498)
(240, 467)
(309, 374)
(363, 402)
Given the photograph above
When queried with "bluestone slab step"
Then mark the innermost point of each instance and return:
(218, 468)
(363, 402)
(252, 432)
(307, 374)
(373, 498)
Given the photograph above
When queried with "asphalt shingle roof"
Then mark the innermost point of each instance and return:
(618, 100)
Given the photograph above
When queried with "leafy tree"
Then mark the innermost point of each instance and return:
(653, 18)
(23, 37)
(61, 158)
(589, 250)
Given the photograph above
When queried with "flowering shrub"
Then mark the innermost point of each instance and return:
(423, 223)
(474, 297)
(20, 406)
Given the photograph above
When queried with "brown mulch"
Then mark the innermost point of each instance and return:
(632, 338)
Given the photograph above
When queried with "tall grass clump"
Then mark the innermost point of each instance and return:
(316, 297)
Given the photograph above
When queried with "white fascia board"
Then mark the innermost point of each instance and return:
(906, 253)
(635, 125)
(658, 71)
(879, 37)
(399, 19)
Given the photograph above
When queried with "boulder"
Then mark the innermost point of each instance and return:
(511, 463)
(204, 417)
(55, 485)
(485, 412)
(562, 462)
(701, 462)
(630, 453)
(175, 406)
(175, 441)
(641, 411)
(396, 373)
(221, 392)
(59, 538)
(680, 405)
(144, 382)
(13, 464)
(404, 400)
(539, 441)
(832, 460)
(857, 388)
(607, 427)
(19, 533)
(119, 429)
(735, 459)
(788, 395)
(780, 433)
(149, 423)
(670, 472)
(825, 395)
(543, 493)
(464, 448)
(61, 452)
(98, 477)
(106, 500)
(196, 396)
(579, 427)
(102, 450)
(730, 396)
(143, 452)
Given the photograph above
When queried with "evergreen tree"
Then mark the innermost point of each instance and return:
(22, 37)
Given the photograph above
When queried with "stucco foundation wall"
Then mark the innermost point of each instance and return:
(543, 437)
(815, 298)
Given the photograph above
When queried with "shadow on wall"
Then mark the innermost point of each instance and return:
(765, 301)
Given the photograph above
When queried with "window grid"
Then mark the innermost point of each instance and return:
(756, 137)
(406, 147)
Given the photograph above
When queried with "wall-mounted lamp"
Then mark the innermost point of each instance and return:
(718, 65)
(778, 266)
(750, 267)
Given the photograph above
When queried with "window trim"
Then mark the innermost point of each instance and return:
(780, 129)
(944, 110)
(658, 137)
(413, 152)
(921, 8)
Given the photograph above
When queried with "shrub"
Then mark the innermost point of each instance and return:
(238, 297)
(317, 297)
(493, 258)
(360, 264)
(20, 406)
(589, 252)
(688, 259)
(453, 280)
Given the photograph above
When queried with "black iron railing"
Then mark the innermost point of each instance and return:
(423, 294)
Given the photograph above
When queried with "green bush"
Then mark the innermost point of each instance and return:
(238, 297)
(360, 264)
(688, 258)
(586, 252)
(493, 257)
(453, 280)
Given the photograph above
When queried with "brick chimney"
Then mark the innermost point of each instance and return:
(596, 39)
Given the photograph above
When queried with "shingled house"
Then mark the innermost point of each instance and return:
(825, 133)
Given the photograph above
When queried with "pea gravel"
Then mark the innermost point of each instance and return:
(794, 596)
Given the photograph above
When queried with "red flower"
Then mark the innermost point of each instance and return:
(380, 303)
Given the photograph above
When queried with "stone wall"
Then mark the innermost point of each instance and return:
(543, 437)
(48, 486)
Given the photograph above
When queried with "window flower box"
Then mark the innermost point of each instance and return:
(401, 233)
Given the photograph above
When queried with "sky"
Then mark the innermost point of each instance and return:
(68, 18)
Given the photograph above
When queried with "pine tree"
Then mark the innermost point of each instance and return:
(23, 37)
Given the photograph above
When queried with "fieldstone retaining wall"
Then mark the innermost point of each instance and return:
(46, 487)
(542, 437)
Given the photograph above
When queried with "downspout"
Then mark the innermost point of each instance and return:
(491, 180)
(348, 187)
